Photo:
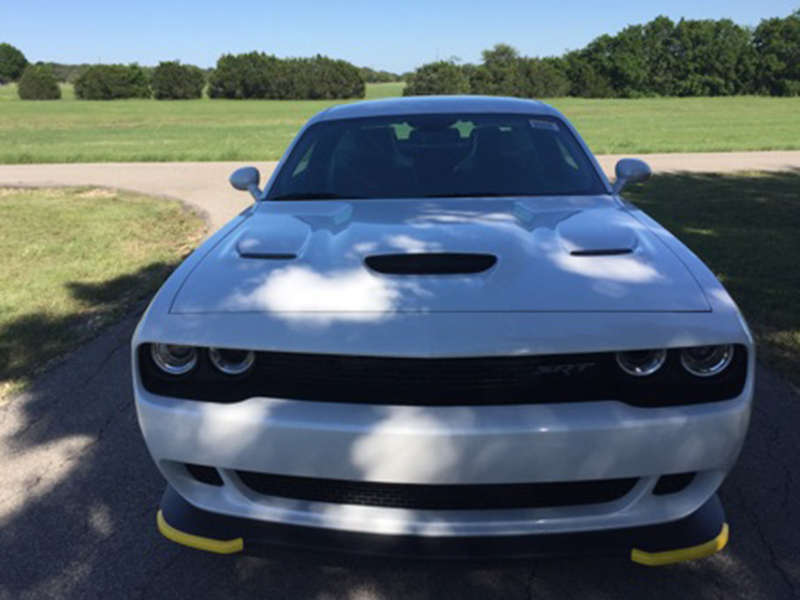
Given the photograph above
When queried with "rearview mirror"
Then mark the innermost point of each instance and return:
(247, 179)
(630, 170)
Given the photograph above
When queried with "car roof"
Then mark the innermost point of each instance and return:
(436, 104)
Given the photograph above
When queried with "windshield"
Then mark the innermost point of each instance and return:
(440, 155)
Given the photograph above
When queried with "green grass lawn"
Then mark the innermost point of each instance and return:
(746, 227)
(202, 130)
(74, 260)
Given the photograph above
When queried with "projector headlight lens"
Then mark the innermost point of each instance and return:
(174, 359)
(707, 361)
(641, 363)
(231, 362)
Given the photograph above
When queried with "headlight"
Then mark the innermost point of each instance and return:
(707, 361)
(231, 362)
(173, 359)
(641, 363)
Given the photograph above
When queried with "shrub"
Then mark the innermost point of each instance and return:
(258, 76)
(319, 78)
(174, 81)
(112, 82)
(443, 77)
(38, 83)
(12, 63)
(243, 76)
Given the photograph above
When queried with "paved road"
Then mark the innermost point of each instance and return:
(205, 185)
(78, 492)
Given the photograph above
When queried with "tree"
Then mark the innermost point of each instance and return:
(661, 52)
(777, 49)
(174, 81)
(716, 59)
(584, 79)
(437, 78)
(112, 82)
(12, 63)
(500, 55)
(38, 83)
(690, 58)
(499, 74)
(542, 78)
(626, 64)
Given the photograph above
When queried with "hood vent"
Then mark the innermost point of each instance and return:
(602, 252)
(443, 263)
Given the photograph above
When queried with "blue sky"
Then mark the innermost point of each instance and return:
(388, 35)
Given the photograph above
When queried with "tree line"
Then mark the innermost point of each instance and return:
(254, 75)
(659, 58)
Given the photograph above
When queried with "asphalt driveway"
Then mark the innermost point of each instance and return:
(78, 496)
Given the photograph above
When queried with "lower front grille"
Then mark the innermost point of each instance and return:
(438, 497)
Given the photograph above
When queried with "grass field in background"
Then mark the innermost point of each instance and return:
(746, 228)
(376, 91)
(202, 130)
(75, 260)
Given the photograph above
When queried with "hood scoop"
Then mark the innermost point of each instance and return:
(440, 263)
(286, 239)
(581, 235)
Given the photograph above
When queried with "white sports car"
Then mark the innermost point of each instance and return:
(440, 332)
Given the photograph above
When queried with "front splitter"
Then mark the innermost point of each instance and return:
(701, 534)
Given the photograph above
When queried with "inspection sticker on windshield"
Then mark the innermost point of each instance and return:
(539, 124)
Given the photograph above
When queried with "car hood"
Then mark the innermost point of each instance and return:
(573, 254)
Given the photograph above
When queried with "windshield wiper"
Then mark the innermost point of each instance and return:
(315, 196)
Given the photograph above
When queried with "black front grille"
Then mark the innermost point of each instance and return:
(438, 497)
(446, 381)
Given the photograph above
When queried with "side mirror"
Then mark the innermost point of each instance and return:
(630, 170)
(247, 179)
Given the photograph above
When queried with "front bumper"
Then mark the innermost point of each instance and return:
(698, 535)
(445, 445)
